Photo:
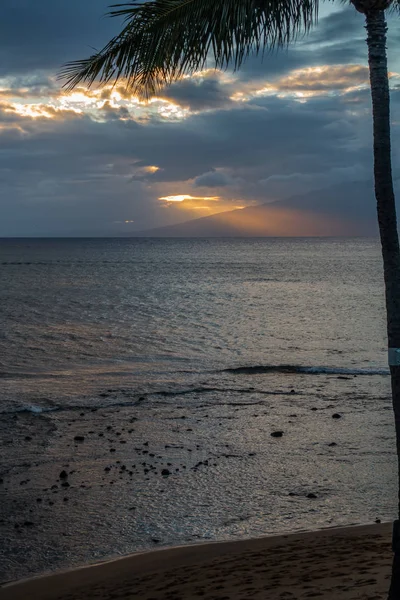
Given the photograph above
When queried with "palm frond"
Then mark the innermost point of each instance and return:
(162, 40)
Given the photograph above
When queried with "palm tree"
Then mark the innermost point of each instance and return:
(163, 40)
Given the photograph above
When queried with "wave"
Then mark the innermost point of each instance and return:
(138, 400)
(299, 369)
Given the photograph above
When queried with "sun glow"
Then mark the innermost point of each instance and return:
(151, 169)
(183, 197)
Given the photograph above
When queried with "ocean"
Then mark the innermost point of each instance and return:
(141, 380)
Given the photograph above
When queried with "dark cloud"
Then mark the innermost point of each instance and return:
(338, 26)
(213, 179)
(200, 93)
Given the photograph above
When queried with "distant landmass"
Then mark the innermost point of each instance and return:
(341, 210)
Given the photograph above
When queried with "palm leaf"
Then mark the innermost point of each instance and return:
(163, 40)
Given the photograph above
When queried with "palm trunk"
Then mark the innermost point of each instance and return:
(376, 28)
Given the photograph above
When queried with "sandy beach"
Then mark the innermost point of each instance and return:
(347, 563)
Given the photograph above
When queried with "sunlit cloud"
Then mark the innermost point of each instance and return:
(145, 172)
(41, 111)
(183, 197)
(324, 78)
(34, 111)
(151, 169)
(176, 103)
(309, 82)
(170, 110)
(99, 104)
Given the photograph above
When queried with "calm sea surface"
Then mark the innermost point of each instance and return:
(185, 355)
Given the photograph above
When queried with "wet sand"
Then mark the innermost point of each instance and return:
(347, 563)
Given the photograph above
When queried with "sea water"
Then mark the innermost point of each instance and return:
(175, 360)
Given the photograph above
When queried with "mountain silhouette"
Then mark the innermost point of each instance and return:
(340, 210)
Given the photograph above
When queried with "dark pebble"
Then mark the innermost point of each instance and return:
(277, 434)
(165, 472)
(28, 438)
(311, 496)
(79, 438)
(336, 416)
(65, 484)
(63, 475)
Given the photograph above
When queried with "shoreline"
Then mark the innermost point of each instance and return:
(367, 549)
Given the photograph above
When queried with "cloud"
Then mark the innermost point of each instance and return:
(206, 91)
(183, 197)
(97, 162)
(213, 179)
(323, 78)
(82, 175)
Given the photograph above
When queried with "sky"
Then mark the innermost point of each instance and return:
(101, 162)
